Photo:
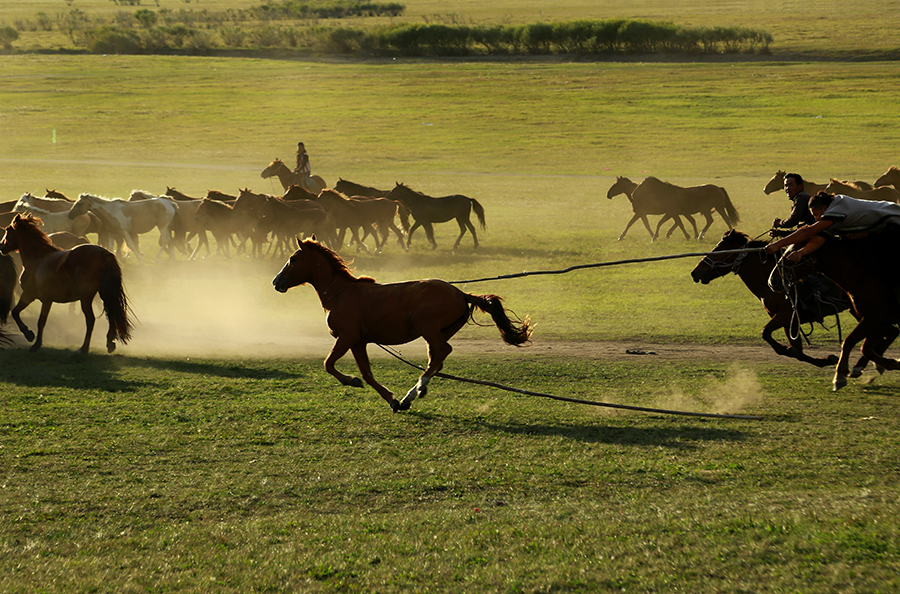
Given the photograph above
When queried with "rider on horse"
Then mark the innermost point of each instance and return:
(800, 214)
(851, 219)
(303, 171)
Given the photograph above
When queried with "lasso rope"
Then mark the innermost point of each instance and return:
(573, 400)
(602, 264)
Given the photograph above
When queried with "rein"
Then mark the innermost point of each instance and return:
(602, 264)
(393, 353)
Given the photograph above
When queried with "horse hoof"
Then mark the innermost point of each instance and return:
(395, 405)
(832, 359)
(839, 383)
(404, 404)
(110, 347)
(29, 335)
(34, 348)
(355, 382)
(880, 369)
(856, 372)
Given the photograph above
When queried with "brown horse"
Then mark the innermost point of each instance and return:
(361, 311)
(52, 275)
(288, 178)
(754, 270)
(891, 177)
(363, 212)
(625, 186)
(654, 196)
(849, 263)
(349, 188)
(427, 210)
(853, 190)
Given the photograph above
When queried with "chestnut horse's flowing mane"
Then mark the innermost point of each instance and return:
(338, 265)
(27, 225)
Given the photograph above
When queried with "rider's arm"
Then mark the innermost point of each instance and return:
(801, 234)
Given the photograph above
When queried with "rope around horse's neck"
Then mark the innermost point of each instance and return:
(602, 264)
(573, 400)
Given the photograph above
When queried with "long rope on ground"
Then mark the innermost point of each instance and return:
(601, 264)
(573, 400)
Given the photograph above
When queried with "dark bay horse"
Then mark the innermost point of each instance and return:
(288, 178)
(53, 275)
(349, 188)
(754, 270)
(625, 186)
(427, 210)
(849, 263)
(361, 311)
(654, 196)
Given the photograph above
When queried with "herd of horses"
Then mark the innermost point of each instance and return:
(60, 266)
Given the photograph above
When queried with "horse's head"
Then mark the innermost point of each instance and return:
(623, 185)
(715, 265)
(9, 242)
(775, 184)
(273, 169)
(22, 231)
(297, 270)
(81, 206)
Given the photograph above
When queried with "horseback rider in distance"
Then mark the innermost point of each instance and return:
(303, 169)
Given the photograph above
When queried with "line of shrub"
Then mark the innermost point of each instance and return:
(146, 31)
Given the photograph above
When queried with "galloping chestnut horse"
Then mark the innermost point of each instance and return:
(361, 311)
(53, 275)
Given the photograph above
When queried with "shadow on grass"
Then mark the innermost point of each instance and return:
(63, 368)
(682, 437)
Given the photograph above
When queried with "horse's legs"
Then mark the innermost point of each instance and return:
(429, 232)
(24, 301)
(471, 229)
(783, 320)
(87, 309)
(462, 231)
(399, 234)
(709, 222)
(843, 366)
(365, 369)
(880, 345)
(42, 321)
(415, 226)
(340, 348)
(134, 244)
(438, 350)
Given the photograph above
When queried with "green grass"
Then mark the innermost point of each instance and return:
(136, 474)
(214, 454)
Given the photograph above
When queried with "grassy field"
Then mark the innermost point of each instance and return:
(213, 454)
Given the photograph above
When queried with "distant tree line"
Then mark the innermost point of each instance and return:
(312, 26)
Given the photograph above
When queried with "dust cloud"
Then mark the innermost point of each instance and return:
(739, 389)
(213, 308)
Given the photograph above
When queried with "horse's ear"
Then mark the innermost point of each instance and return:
(299, 243)
(313, 237)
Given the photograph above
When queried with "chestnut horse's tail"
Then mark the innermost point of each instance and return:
(512, 333)
(115, 303)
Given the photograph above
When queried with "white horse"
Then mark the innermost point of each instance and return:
(132, 218)
(53, 222)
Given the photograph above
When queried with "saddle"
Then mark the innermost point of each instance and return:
(819, 295)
